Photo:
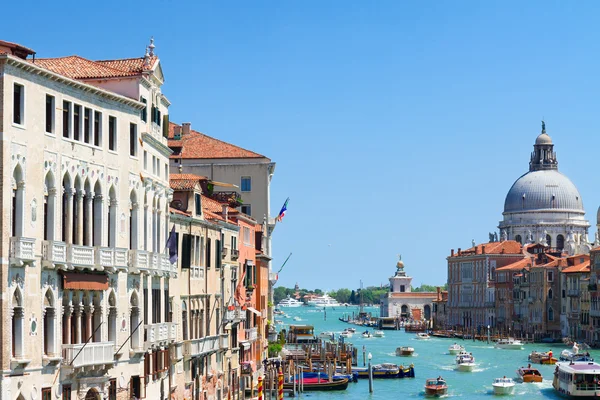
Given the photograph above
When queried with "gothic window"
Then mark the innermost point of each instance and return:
(518, 239)
(133, 221)
(550, 314)
(49, 207)
(560, 242)
(18, 202)
(18, 316)
(550, 293)
(549, 240)
(112, 318)
(49, 325)
(112, 217)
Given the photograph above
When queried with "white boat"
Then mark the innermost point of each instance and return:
(346, 334)
(455, 349)
(351, 330)
(576, 379)
(367, 334)
(326, 335)
(503, 386)
(405, 351)
(324, 301)
(297, 319)
(422, 336)
(465, 362)
(289, 302)
(509, 344)
(378, 334)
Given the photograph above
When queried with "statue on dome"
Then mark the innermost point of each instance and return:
(472, 242)
(495, 236)
(491, 235)
(529, 237)
(543, 127)
(596, 239)
(400, 264)
(503, 235)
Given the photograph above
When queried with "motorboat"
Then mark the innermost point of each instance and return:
(436, 387)
(509, 344)
(297, 318)
(528, 375)
(422, 336)
(404, 351)
(465, 363)
(378, 334)
(352, 330)
(577, 379)
(278, 312)
(278, 322)
(503, 386)
(324, 301)
(575, 355)
(367, 335)
(542, 357)
(326, 335)
(455, 349)
(289, 302)
(346, 334)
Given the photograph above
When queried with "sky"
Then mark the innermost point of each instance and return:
(397, 127)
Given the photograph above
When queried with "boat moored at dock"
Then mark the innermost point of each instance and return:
(577, 379)
(546, 358)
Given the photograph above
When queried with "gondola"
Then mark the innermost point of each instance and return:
(311, 384)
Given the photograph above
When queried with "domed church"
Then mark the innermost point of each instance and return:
(544, 206)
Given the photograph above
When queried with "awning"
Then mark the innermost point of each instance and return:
(255, 311)
(83, 281)
(245, 345)
(223, 184)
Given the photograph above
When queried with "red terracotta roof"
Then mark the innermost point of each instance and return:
(17, 48)
(176, 211)
(76, 67)
(199, 145)
(516, 266)
(504, 247)
(583, 267)
(184, 181)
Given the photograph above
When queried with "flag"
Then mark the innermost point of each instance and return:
(240, 290)
(172, 246)
(283, 210)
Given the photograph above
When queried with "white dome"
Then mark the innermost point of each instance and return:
(543, 190)
(543, 139)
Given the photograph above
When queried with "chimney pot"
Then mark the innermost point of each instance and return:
(452, 253)
(177, 132)
(186, 128)
(459, 251)
(225, 212)
(483, 249)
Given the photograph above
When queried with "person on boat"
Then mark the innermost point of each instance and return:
(528, 365)
(550, 353)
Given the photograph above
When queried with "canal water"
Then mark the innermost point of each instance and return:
(431, 359)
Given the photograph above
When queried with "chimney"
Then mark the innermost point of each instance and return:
(177, 132)
(483, 249)
(459, 251)
(452, 253)
(186, 127)
(224, 213)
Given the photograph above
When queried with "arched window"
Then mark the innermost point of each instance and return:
(77, 208)
(49, 207)
(154, 225)
(49, 325)
(18, 202)
(88, 223)
(112, 318)
(67, 205)
(549, 240)
(133, 221)
(518, 239)
(97, 215)
(145, 221)
(18, 316)
(134, 321)
(550, 314)
(550, 293)
(427, 312)
(404, 310)
(560, 242)
(112, 217)
(184, 320)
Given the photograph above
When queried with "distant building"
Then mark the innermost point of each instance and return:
(402, 302)
(440, 310)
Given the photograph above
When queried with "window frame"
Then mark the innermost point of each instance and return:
(246, 187)
(112, 133)
(133, 140)
(50, 114)
(67, 116)
(21, 104)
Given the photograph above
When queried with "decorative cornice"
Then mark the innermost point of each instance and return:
(151, 140)
(33, 68)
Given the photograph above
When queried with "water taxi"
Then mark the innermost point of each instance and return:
(436, 387)
(405, 351)
(577, 379)
(503, 386)
(509, 344)
(455, 349)
(465, 362)
(346, 334)
(378, 333)
(542, 357)
(422, 336)
(528, 375)
(367, 335)
(326, 335)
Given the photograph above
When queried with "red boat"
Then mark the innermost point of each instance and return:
(436, 387)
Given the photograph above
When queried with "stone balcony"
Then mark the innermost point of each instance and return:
(594, 313)
(251, 334)
(198, 347)
(224, 252)
(93, 354)
(111, 259)
(236, 315)
(224, 341)
(235, 254)
(162, 332)
(66, 256)
(22, 251)
(151, 263)
(573, 292)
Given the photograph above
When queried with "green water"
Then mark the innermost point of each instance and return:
(431, 359)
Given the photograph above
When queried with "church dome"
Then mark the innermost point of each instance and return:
(543, 139)
(543, 190)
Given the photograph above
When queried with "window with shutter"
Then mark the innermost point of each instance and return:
(208, 253)
(186, 250)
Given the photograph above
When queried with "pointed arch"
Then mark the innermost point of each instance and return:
(112, 217)
(49, 206)
(18, 202)
(87, 225)
(50, 314)
(145, 220)
(184, 320)
(97, 214)
(77, 213)
(133, 221)
(112, 316)
(18, 317)
(134, 320)
(17, 298)
(67, 207)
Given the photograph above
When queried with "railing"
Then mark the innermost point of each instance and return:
(251, 334)
(81, 256)
(573, 315)
(197, 347)
(489, 304)
(92, 354)
(573, 292)
(111, 257)
(594, 313)
(139, 260)
(235, 254)
(224, 341)
(22, 248)
(54, 253)
(160, 332)
(154, 263)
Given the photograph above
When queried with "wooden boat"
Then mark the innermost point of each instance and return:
(503, 386)
(386, 371)
(528, 375)
(455, 349)
(405, 351)
(436, 387)
(321, 385)
(542, 357)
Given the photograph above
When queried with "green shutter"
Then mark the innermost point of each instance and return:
(166, 125)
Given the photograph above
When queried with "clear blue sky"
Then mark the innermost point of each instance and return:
(397, 127)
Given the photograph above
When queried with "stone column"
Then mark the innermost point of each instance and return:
(78, 326)
(89, 224)
(68, 216)
(80, 194)
(89, 314)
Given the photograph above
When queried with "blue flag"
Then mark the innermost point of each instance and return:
(172, 246)
(283, 210)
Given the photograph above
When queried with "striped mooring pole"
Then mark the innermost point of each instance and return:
(260, 388)
(280, 385)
